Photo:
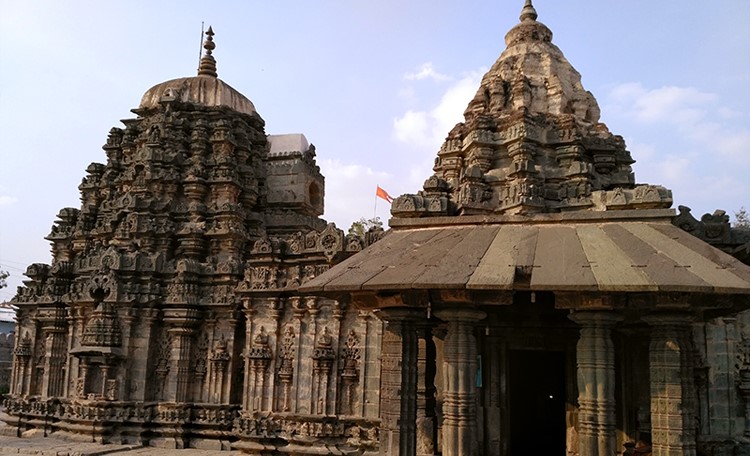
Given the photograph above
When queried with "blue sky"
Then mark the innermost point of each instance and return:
(375, 85)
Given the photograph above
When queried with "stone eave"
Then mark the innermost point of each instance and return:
(654, 215)
(610, 252)
(90, 350)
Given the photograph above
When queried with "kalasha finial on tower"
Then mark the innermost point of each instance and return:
(208, 63)
(528, 12)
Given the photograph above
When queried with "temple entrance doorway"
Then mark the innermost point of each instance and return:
(537, 403)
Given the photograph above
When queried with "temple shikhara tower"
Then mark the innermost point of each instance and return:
(170, 314)
(531, 299)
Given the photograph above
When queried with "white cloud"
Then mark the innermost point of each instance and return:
(408, 94)
(350, 192)
(642, 151)
(666, 104)
(426, 71)
(7, 200)
(687, 141)
(413, 127)
(428, 128)
(688, 112)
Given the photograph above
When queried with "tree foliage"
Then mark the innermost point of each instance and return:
(361, 226)
(742, 220)
(3, 275)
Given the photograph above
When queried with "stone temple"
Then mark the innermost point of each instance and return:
(532, 299)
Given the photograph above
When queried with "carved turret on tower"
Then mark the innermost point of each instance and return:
(531, 142)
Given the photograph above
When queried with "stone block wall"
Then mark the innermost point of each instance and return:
(723, 381)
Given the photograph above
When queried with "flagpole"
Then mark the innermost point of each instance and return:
(375, 211)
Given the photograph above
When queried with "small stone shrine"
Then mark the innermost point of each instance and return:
(170, 314)
(538, 301)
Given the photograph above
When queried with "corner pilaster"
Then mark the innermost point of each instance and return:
(398, 382)
(672, 386)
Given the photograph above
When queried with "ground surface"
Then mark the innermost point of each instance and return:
(52, 446)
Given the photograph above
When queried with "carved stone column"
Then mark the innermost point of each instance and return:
(286, 368)
(75, 321)
(672, 387)
(19, 384)
(323, 357)
(144, 335)
(595, 354)
(54, 330)
(349, 374)
(219, 361)
(743, 381)
(459, 377)
(129, 334)
(248, 389)
(426, 425)
(181, 324)
(398, 382)
(259, 358)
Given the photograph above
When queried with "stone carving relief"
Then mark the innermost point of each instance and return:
(743, 376)
(200, 360)
(350, 357)
(286, 366)
(163, 362)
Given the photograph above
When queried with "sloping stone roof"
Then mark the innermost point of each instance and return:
(555, 253)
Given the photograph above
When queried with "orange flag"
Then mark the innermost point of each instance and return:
(380, 193)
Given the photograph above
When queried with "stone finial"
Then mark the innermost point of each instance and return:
(208, 63)
(528, 12)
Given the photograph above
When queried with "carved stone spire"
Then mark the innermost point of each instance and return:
(531, 142)
(208, 63)
(528, 12)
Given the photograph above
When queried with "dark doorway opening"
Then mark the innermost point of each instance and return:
(537, 403)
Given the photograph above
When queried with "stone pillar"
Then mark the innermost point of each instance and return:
(180, 325)
(595, 354)
(129, 334)
(19, 384)
(720, 338)
(398, 382)
(672, 388)
(459, 380)
(219, 361)
(142, 356)
(75, 322)
(54, 330)
(425, 424)
(248, 389)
